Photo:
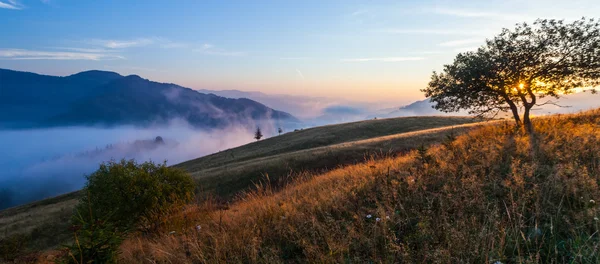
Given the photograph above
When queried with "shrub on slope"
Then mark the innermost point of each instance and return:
(122, 197)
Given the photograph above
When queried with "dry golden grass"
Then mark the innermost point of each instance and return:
(228, 180)
(487, 196)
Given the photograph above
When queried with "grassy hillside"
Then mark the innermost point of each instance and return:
(320, 137)
(487, 196)
(227, 173)
(321, 148)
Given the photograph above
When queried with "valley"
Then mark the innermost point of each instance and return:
(226, 174)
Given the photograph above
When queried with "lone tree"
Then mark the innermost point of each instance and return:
(279, 130)
(258, 134)
(518, 67)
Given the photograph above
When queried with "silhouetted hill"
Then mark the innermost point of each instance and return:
(95, 76)
(423, 107)
(29, 98)
(300, 106)
(107, 98)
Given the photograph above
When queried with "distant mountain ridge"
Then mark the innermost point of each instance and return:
(570, 103)
(304, 107)
(108, 99)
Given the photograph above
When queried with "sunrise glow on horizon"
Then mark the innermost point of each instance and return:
(354, 50)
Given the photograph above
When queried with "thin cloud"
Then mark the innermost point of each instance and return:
(437, 32)
(115, 44)
(169, 44)
(359, 12)
(384, 59)
(294, 58)
(22, 54)
(86, 50)
(461, 42)
(138, 42)
(133, 68)
(11, 4)
(478, 14)
(121, 44)
(173, 45)
(462, 13)
(140, 68)
(300, 74)
(465, 49)
(210, 49)
(428, 52)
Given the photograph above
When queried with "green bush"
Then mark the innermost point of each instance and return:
(136, 196)
(96, 240)
(122, 197)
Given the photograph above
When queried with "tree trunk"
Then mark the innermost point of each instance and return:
(533, 141)
(528, 106)
(515, 112)
(527, 121)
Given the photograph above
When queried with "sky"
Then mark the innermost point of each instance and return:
(369, 51)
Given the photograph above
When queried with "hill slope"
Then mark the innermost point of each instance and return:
(229, 172)
(315, 149)
(323, 136)
(485, 197)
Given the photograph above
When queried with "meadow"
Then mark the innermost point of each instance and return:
(492, 195)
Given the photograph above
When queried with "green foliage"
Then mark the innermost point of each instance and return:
(122, 196)
(520, 66)
(96, 240)
(136, 195)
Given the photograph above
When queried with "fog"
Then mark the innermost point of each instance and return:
(42, 163)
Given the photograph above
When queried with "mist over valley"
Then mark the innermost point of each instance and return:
(41, 163)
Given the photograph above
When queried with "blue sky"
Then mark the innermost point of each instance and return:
(356, 50)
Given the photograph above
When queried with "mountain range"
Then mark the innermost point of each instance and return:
(418, 108)
(109, 99)
(303, 107)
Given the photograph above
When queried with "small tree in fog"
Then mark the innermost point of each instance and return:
(280, 131)
(258, 134)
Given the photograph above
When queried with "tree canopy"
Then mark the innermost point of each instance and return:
(518, 67)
